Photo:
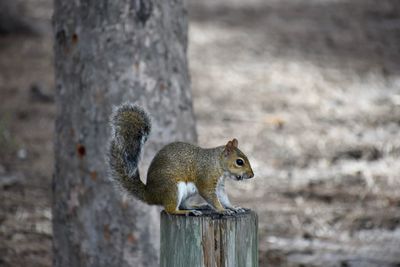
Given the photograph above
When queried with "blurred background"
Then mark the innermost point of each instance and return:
(311, 89)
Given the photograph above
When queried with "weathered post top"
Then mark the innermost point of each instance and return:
(210, 240)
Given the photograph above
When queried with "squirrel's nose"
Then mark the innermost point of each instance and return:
(251, 175)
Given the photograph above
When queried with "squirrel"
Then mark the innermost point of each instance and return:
(178, 171)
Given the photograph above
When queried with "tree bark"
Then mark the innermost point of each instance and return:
(108, 53)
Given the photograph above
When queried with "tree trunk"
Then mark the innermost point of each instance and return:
(108, 53)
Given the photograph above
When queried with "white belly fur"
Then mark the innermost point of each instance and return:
(185, 190)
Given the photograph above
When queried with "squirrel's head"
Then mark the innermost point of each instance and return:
(236, 164)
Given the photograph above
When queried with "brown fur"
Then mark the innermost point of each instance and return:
(176, 162)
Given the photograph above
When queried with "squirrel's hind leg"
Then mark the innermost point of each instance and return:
(176, 198)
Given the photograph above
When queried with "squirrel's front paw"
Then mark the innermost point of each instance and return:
(238, 209)
(228, 212)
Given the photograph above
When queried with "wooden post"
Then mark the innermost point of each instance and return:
(210, 240)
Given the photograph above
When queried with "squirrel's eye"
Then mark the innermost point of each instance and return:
(239, 162)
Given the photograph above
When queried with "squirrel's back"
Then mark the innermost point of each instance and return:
(177, 157)
(182, 159)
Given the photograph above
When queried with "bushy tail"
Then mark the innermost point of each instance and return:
(131, 127)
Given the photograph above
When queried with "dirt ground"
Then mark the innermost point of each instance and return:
(310, 88)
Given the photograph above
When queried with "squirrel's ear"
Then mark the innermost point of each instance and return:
(235, 142)
(228, 148)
